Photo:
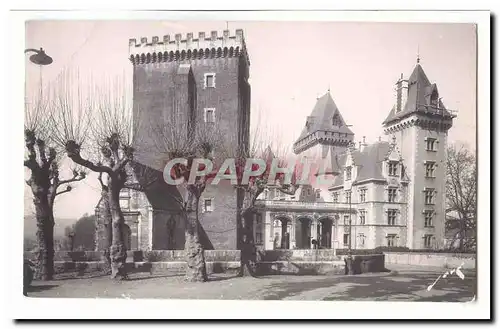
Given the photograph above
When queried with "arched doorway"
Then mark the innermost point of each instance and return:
(282, 233)
(325, 233)
(303, 233)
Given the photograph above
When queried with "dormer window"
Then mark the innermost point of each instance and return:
(393, 168)
(336, 121)
(348, 173)
(434, 98)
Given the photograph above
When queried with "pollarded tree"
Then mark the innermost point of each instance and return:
(112, 135)
(193, 143)
(461, 193)
(43, 163)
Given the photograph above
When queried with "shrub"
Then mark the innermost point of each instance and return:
(152, 256)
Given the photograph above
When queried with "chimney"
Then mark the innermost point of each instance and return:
(362, 144)
(401, 93)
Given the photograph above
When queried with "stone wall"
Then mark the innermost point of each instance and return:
(445, 260)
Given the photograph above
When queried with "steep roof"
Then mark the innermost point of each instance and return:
(368, 162)
(322, 118)
(420, 90)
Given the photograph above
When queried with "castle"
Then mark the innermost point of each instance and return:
(390, 193)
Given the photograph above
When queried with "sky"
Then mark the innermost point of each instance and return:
(291, 65)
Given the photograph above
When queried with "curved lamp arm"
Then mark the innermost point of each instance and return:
(40, 57)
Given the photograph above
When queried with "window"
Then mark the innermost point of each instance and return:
(362, 195)
(209, 115)
(346, 219)
(429, 196)
(393, 168)
(207, 205)
(361, 237)
(391, 194)
(402, 171)
(391, 240)
(362, 217)
(348, 172)
(210, 80)
(318, 194)
(335, 196)
(428, 214)
(431, 144)
(346, 239)
(391, 217)
(428, 240)
(348, 197)
(429, 169)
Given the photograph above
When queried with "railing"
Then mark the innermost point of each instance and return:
(300, 205)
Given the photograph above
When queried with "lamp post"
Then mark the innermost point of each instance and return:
(40, 57)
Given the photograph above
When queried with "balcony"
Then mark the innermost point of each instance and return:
(303, 206)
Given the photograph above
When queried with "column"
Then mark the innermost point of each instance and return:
(268, 231)
(314, 231)
(293, 243)
(150, 227)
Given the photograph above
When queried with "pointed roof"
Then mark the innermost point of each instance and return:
(322, 118)
(420, 90)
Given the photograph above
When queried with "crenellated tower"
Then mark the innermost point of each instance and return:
(205, 79)
(419, 123)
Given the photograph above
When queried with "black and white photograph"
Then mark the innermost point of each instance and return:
(183, 157)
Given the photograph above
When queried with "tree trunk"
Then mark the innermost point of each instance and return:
(105, 214)
(248, 253)
(196, 270)
(118, 252)
(45, 239)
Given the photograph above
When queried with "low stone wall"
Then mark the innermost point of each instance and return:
(304, 255)
(172, 268)
(301, 267)
(142, 256)
(445, 260)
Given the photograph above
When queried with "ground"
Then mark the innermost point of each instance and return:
(403, 283)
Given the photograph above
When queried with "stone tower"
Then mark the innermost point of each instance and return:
(419, 123)
(205, 80)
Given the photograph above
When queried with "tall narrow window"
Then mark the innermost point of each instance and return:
(431, 144)
(346, 239)
(429, 196)
(362, 217)
(348, 196)
(346, 219)
(362, 195)
(391, 216)
(393, 168)
(429, 169)
(428, 240)
(391, 240)
(428, 214)
(391, 194)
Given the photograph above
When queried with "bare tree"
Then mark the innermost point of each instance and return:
(43, 161)
(266, 146)
(181, 135)
(461, 193)
(112, 130)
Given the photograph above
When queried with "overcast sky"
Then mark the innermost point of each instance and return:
(291, 64)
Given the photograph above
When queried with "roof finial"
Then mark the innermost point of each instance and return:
(393, 139)
(328, 88)
(418, 54)
(379, 138)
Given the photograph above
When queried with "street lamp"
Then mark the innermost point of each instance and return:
(39, 57)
